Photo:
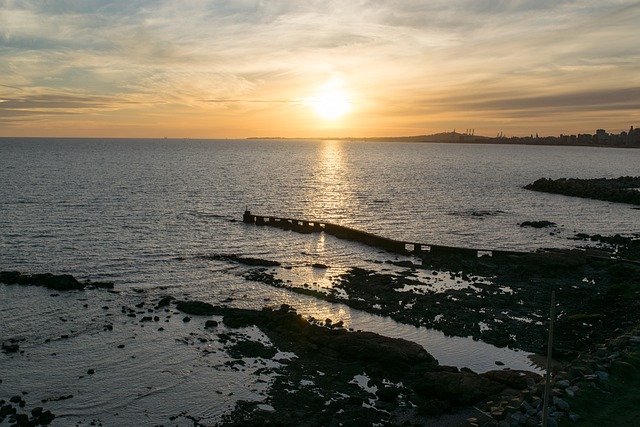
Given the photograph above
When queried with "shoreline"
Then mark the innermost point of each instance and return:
(333, 373)
(417, 140)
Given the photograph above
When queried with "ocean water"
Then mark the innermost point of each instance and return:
(148, 214)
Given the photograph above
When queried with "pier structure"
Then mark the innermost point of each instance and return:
(390, 245)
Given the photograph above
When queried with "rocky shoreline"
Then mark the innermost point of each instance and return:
(336, 376)
(503, 301)
(620, 190)
(324, 374)
(333, 376)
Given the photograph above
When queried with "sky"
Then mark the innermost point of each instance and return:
(317, 68)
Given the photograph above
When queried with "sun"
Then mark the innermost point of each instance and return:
(331, 105)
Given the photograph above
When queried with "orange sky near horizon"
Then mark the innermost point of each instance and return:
(219, 69)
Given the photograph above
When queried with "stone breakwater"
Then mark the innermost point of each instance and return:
(590, 370)
(625, 189)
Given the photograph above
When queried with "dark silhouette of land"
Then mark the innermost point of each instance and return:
(601, 138)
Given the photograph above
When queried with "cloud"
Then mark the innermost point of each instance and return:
(39, 106)
(409, 57)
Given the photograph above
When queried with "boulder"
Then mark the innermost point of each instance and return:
(371, 347)
(515, 379)
(319, 265)
(210, 324)
(45, 418)
(164, 301)
(461, 388)
(537, 224)
(197, 308)
(388, 394)
(10, 348)
(561, 404)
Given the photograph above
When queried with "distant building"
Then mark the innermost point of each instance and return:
(602, 137)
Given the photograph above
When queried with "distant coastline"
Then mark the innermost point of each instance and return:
(601, 138)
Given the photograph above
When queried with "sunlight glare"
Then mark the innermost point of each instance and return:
(332, 105)
(331, 101)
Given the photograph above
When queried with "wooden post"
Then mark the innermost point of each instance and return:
(547, 385)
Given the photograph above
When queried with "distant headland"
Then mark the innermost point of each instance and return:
(601, 138)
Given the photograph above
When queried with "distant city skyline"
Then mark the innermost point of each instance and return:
(220, 69)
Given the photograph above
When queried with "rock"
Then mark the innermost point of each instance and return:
(22, 420)
(461, 388)
(186, 319)
(243, 349)
(609, 189)
(91, 371)
(62, 282)
(498, 414)
(46, 418)
(537, 224)
(563, 383)
(254, 262)
(574, 417)
(516, 418)
(561, 404)
(602, 375)
(15, 399)
(197, 308)
(319, 265)
(7, 410)
(210, 324)
(532, 422)
(164, 301)
(512, 378)
(388, 394)
(10, 348)
(551, 422)
(101, 285)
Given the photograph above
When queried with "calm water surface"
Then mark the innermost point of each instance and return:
(147, 213)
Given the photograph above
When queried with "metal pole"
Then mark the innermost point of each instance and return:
(547, 385)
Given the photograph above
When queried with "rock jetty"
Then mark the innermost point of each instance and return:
(590, 370)
(625, 189)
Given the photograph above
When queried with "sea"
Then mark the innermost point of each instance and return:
(152, 216)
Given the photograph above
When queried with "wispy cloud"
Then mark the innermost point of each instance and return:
(417, 59)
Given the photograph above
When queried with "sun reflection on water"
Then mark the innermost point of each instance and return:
(331, 190)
